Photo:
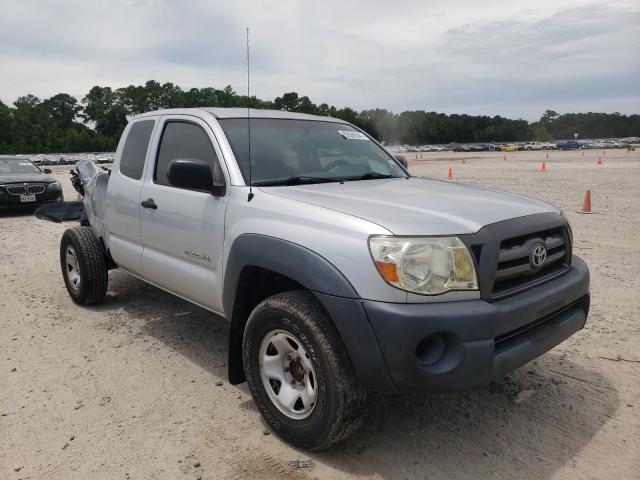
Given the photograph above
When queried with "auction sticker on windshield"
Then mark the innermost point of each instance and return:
(350, 135)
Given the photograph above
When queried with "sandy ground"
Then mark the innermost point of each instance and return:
(136, 387)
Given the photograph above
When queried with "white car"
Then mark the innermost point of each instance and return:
(533, 146)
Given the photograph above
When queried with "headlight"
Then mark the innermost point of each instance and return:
(424, 265)
(54, 186)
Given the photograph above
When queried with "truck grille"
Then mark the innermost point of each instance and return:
(503, 250)
(24, 189)
(515, 271)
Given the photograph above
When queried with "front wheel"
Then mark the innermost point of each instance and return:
(299, 373)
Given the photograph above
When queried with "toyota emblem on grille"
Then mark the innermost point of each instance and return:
(538, 256)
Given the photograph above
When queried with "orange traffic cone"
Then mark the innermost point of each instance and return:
(543, 166)
(450, 174)
(599, 162)
(586, 205)
(462, 160)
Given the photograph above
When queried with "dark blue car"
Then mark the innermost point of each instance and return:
(570, 145)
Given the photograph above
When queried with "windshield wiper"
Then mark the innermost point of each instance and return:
(369, 176)
(296, 180)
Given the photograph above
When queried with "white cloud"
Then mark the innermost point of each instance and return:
(491, 57)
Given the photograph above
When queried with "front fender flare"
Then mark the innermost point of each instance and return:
(316, 274)
(286, 258)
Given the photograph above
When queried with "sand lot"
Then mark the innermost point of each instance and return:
(136, 387)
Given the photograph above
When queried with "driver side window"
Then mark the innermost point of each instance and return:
(184, 140)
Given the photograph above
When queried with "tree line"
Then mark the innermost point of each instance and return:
(64, 124)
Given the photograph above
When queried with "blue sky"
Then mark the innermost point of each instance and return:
(506, 58)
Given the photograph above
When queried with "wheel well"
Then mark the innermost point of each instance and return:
(254, 285)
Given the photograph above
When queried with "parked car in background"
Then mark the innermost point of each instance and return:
(23, 183)
(433, 148)
(611, 144)
(509, 148)
(570, 145)
(533, 146)
(461, 148)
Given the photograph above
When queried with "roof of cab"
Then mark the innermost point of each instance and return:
(241, 113)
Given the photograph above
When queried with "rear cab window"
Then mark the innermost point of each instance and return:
(135, 148)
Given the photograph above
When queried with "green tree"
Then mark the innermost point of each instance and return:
(288, 102)
(62, 109)
(52, 125)
(541, 134)
(548, 118)
(6, 128)
(104, 108)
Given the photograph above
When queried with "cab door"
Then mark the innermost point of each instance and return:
(183, 230)
(123, 234)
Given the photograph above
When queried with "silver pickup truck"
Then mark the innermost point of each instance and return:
(340, 273)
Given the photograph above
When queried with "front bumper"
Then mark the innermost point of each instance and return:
(13, 201)
(460, 345)
(454, 346)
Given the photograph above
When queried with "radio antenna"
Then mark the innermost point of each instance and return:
(250, 196)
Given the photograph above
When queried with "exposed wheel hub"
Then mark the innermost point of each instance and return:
(296, 370)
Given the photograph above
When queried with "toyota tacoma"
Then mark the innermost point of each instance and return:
(340, 272)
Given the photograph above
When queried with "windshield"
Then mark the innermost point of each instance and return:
(303, 151)
(17, 165)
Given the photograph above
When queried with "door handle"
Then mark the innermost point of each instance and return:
(149, 203)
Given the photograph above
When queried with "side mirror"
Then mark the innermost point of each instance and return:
(403, 160)
(47, 170)
(194, 174)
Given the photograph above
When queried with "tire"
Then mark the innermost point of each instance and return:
(338, 407)
(84, 266)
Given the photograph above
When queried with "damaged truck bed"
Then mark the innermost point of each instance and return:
(90, 181)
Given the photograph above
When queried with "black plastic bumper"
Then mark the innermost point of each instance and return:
(453, 346)
(13, 201)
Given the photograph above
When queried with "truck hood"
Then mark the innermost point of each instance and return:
(416, 206)
(40, 177)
